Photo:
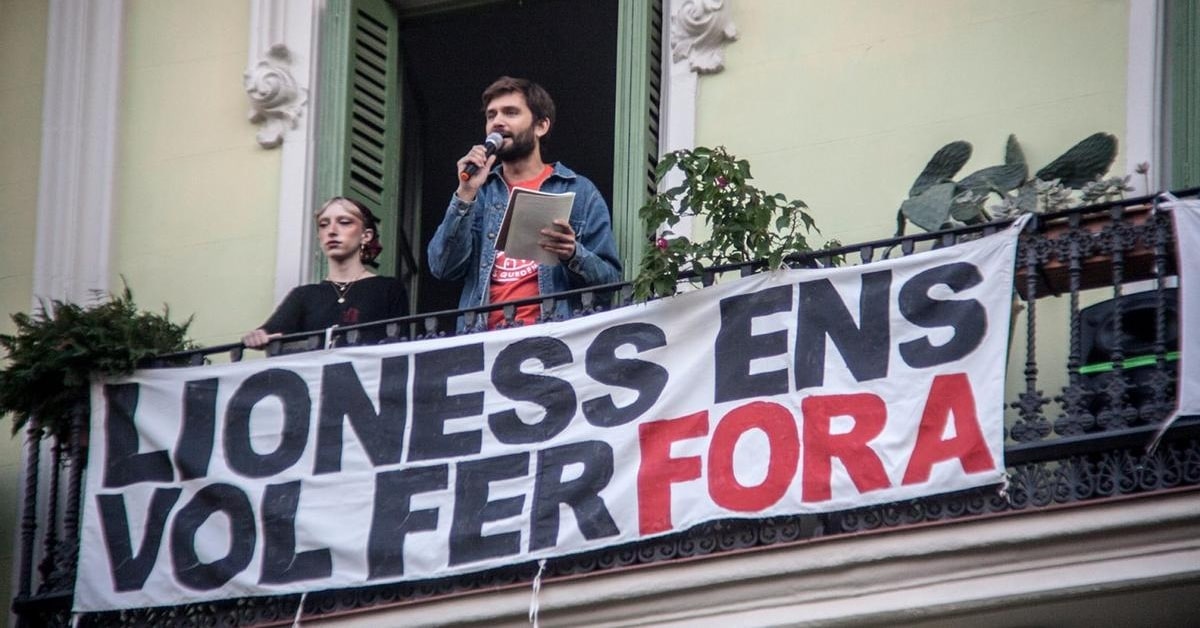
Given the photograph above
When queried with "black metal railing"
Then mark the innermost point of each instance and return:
(1078, 428)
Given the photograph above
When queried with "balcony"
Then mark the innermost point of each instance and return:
(1078, 430)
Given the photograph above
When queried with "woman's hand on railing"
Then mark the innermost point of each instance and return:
(258, 338)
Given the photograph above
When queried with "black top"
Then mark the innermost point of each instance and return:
(315, 306)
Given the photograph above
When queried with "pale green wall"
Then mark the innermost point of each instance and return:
(841, 103)
(195, 222)
(195, 217)
(22, 59)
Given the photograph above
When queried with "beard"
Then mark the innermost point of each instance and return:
(522, 146)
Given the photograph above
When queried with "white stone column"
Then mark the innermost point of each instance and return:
(1144, 95)
(76, 180)
(79, 138)
(699, 30)
(279, 73)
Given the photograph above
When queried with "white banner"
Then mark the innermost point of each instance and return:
(1186, 216)
(789, 392)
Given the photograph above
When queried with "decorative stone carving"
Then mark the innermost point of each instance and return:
(275, 98)
(699, 29)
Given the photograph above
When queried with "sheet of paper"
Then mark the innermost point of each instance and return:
(530, 211)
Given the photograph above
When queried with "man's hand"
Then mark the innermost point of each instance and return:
(559, 240)
(258, 338)
(478, 156)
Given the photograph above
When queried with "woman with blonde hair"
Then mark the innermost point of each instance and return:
(350, 294)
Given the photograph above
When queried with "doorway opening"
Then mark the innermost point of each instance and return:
(449, 57)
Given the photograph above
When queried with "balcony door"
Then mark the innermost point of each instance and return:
(398, 103)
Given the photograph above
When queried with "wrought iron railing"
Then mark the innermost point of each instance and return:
(1077, 430)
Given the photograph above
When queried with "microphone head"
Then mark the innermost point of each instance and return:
(493, 141)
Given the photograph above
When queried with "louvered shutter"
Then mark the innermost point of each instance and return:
(635, 155)
(1183, 103)
(359, 113)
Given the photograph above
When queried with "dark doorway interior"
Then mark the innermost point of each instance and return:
(568, 46)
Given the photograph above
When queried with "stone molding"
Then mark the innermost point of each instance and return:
(276, 101)
(77, 171)
(699, 31)
(76, 176)
(1143, 141)
(1114, 561)
(279, 72)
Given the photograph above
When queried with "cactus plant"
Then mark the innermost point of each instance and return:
(936, 201)
(942, 167)
(1084, 161)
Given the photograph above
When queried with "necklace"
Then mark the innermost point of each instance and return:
(342, 288)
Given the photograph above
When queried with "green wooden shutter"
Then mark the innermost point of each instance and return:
(1183, 55)
(635, 156)
(358, 125)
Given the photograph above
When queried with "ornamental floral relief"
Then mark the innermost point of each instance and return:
(699, 29)
(276, 100)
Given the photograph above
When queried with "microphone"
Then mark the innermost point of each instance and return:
(490, 144)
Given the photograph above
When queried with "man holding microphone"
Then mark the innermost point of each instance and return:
(521, 113)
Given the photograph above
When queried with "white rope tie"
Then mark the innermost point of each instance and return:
(1004, 486)
(299, 610)
(537, 588)
(1162, 431)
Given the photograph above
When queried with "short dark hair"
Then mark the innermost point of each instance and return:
(536, 96)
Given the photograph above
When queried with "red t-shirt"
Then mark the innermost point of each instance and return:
(516, 278)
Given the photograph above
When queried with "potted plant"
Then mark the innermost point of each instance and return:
(1074, 179)
(54, 353)
(746, 224)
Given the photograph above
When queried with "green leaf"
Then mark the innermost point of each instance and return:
(998, 179)
(665, 164)
(942, 167)
(966, 212)
(1013, 154)
(930, 209)
(674, 192)
(1083, 162)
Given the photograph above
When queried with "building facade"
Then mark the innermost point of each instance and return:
(183, 150)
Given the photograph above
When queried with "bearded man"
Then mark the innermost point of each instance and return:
(464, 247)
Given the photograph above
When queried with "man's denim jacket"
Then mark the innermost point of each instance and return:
(464, 246)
